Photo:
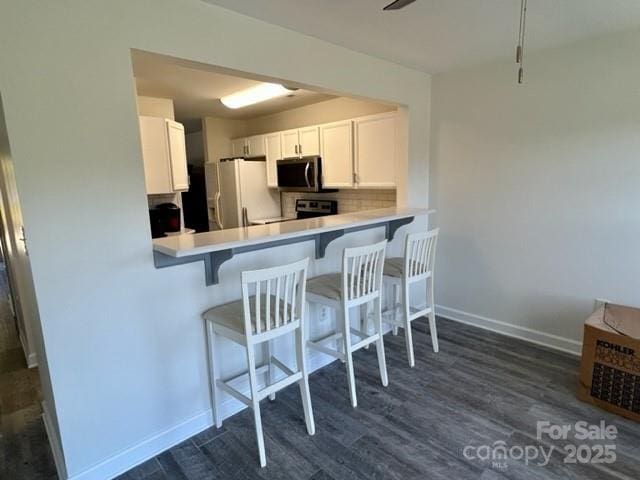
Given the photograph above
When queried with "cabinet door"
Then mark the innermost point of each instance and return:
(273, 154)
(255, 146)
(336, 149)
(177, 156)
(289, 140)
(155, 155)
(375, 151)
(309, 141)
(238, 147)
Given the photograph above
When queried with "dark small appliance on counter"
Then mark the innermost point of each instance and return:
(164, 218)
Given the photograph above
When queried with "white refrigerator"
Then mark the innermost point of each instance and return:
(244, 195)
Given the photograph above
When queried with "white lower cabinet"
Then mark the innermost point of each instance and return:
(336, 150)
(375, 151)
(164, 155)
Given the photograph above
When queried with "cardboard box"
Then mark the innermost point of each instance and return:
(610, 369)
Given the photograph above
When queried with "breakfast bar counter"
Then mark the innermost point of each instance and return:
(216, 247)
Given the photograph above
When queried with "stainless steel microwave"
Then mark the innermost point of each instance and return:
(300, 174)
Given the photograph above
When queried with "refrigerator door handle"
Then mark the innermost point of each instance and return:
(217, 212)
(245, 217)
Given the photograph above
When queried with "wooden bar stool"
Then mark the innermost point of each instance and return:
(401, 273)
(272, 305)
(359, 285)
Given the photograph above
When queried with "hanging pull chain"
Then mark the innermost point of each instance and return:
(520, 47)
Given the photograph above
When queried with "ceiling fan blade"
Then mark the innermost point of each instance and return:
(398, 4)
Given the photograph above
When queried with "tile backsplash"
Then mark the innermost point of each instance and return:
(348, 200)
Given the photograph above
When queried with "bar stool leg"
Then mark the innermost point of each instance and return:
(364, 320)
(382, 363)
(214, 374)
(304, 383)
(255, 402)
(271, 373)
(407, 324)
(396, 301)
(340, 341)
(432, 317)
(346, 330)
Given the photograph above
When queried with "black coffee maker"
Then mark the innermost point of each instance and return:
(164, 218)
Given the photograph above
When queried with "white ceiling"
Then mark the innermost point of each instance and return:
(440, 35)
(196, 89)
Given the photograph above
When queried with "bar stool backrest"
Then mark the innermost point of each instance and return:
(420, 254)
(273, 298)
(362, 273)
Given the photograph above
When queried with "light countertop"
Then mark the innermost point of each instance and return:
(198, 243)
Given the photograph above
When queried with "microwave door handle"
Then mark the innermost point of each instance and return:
(306, 174)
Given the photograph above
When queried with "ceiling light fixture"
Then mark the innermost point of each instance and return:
(253, 95)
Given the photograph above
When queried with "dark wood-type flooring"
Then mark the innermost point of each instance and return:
(480, 389)
(24, 447)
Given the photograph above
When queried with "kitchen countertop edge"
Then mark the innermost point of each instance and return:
(200, 243)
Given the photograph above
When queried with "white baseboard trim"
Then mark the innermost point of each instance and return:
(56, 448)
(146, 449)
(30, 357)
(156, 444)
(555, 342)
(32, 360)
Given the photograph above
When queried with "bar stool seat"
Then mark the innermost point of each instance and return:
(394, 267)
(230, 314)
(327, 286)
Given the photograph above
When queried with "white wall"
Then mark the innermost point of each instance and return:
(217, 133)
(537, 188)
(332, 110)
(19, 271)
(124, 340)
(195, 148)
(155, 107)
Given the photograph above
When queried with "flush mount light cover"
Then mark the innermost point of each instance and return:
(257, 94)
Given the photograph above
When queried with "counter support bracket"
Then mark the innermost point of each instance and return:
(394, 225)
(213, 260)
(324, 239)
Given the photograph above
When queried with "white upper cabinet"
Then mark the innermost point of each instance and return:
(290, 143)
(309, 141)
(177, 156)
(375, 152)
(164, 155)
(273, 150)
(300, 142)
(336, 150)
(356, 153)
(249, 147)
(239, 147)
(255, 146)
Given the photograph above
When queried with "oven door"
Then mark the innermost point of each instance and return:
(299, 174)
